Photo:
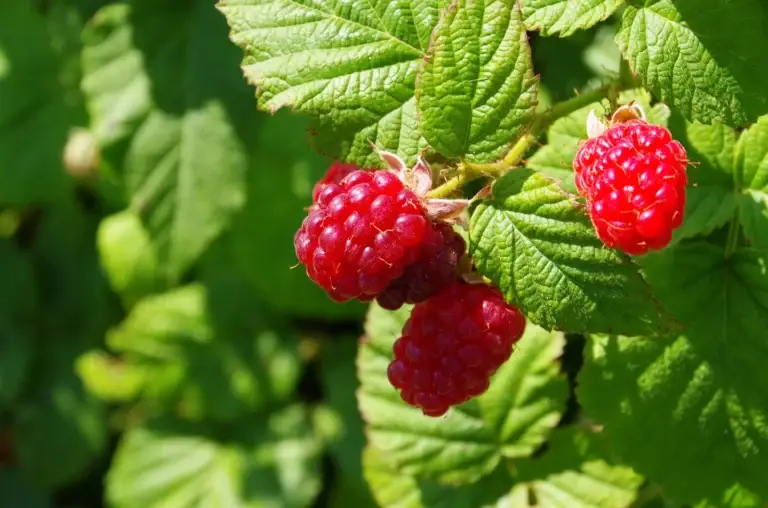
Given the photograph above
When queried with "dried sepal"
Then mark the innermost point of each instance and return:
(446, 209)
(628, 112)
(595, 125)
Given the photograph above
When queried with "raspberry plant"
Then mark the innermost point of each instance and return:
(425, 253)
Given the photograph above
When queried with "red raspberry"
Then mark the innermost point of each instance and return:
(451, 346)
(361, 234)
(633, 177)
(335, 174)
(441, 251)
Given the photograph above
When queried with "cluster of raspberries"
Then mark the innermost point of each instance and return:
(369, 235)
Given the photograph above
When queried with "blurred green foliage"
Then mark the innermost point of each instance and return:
(160, 349)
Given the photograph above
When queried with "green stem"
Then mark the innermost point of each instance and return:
(470, 171)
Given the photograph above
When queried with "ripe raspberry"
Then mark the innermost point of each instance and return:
(451, 346)
(335, 174)
(435, 268)
(361, 234)
(633, 177)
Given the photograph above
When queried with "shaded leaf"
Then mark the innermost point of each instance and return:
(392, 489)
(176, 126)
(573, 473)
(212, 370)
(270, 463)
(707, 63)
(705, 388)
(32, 107)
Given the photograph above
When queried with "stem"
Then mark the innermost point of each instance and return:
(469, 171)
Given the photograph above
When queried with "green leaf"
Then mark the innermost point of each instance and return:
(707, 63)
(19, 492)
(59, 429)
(128, 257)
(536, 244)
(71, 286)
(338, 376)
(280, 188)
(734, 497)
(271, 463)
(751, 177)
(476, 91)
(392, 489)
(573, 473)
(181, 122)
(710, 195)
(18, 305)
(512, 419)
(212, 366)
(109, 378)
(689, 412)
(555, 159)
(55, 416)
(564, 17)
(34, 116)
(350, 64)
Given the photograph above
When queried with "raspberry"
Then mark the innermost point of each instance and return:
(361, 234)
(451, 346)
(633, 178)
(436, 267)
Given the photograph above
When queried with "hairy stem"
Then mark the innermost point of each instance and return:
(469, 171)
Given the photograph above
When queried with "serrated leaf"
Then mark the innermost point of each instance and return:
(751, 175)
(707, 63)
(211, 365)
(18, 491)
(58, 418)
(272, 463)
(392, 489)
(571, 473)
(476, 90)
(32, 107)
(128, 257)
(564, 17)
(710, 195)
(176, 126)
(512, 419)
(352, 65)
(280, 188)
(537, 245)
(555, 159)
(689, 412)
(18, 305)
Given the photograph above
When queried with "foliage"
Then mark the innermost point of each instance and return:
(158, 347)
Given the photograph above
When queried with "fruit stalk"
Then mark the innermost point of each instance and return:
(468, 171)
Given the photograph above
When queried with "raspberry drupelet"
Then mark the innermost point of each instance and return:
(451, 346)
(334, 174)
(633, 177)
(435, 268)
